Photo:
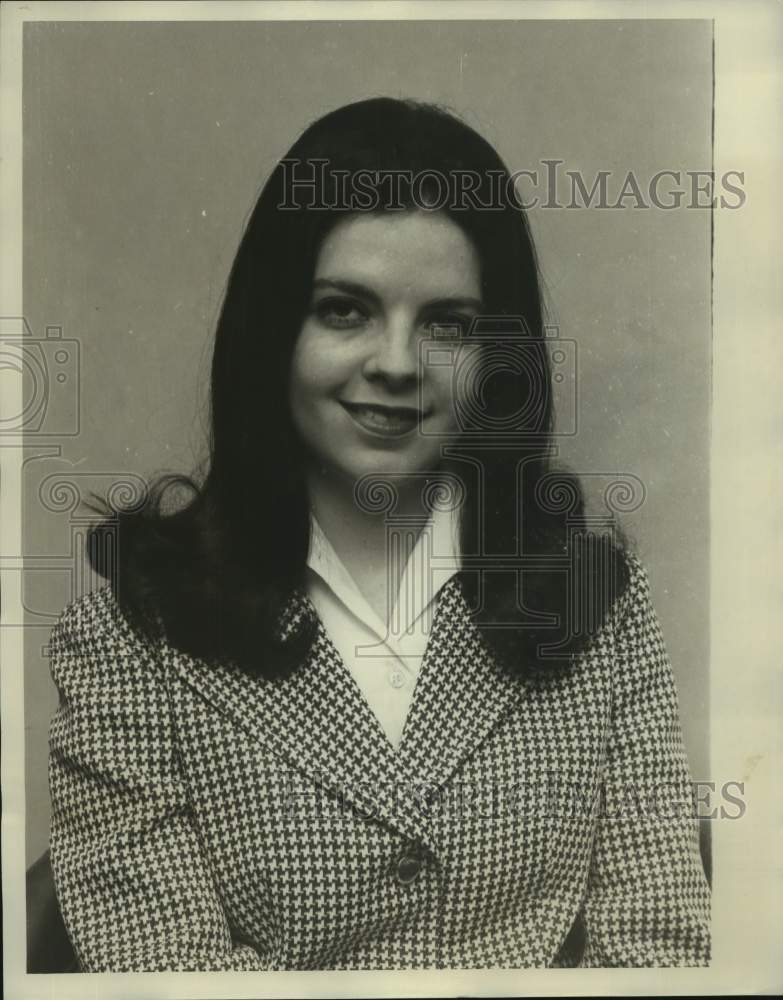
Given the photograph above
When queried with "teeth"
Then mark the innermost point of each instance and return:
(385, 419)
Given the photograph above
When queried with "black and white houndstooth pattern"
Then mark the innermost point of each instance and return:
(205, 820)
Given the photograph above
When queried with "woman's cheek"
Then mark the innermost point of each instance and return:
(456, 387)
(307, 368)
(321, 361)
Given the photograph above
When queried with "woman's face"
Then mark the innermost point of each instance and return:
(363, 398)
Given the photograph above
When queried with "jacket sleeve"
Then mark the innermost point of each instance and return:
(647, 901)
(132, 881)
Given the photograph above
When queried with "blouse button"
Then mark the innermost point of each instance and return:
(408, 868)
(396, 678)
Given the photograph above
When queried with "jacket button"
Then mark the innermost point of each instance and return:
(408, 868)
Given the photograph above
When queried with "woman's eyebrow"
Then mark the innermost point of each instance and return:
(349, 287)
(362, 291)
(456, 302)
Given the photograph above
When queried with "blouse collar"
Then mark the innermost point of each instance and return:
(433, 561)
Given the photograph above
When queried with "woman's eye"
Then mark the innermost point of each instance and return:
(340, 313)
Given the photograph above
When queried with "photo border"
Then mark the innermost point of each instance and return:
(746, 492)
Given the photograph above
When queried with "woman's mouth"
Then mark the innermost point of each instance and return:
(385, 421)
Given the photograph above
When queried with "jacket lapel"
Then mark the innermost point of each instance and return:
(460, 696)
(318, 720)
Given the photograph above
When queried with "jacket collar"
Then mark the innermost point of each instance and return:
(318, 719)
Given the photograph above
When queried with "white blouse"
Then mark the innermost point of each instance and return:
(384, 659)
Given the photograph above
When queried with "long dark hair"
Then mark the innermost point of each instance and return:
(216, 574)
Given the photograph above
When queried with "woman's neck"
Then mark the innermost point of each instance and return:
(360, 536)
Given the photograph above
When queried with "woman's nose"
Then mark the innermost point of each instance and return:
(394, 354)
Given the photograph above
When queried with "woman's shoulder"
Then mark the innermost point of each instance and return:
(95, 615)
(633, 596)
(94, 636)
(113, 723)
(641, 656)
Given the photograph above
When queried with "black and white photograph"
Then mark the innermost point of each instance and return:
(389, 468)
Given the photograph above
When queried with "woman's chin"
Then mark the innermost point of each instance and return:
(391, 468)
(394, 465)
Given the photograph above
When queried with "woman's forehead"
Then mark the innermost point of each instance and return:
(422, 251)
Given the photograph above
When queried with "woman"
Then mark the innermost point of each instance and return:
(375, 697)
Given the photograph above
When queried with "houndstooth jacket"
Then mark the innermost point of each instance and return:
(207, 820)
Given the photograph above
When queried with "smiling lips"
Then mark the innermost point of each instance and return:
(385, 421)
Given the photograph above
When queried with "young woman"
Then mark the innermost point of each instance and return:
(374, 697)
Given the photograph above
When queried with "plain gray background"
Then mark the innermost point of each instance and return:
(145, 145)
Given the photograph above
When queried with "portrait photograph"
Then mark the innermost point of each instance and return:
(389, 553)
